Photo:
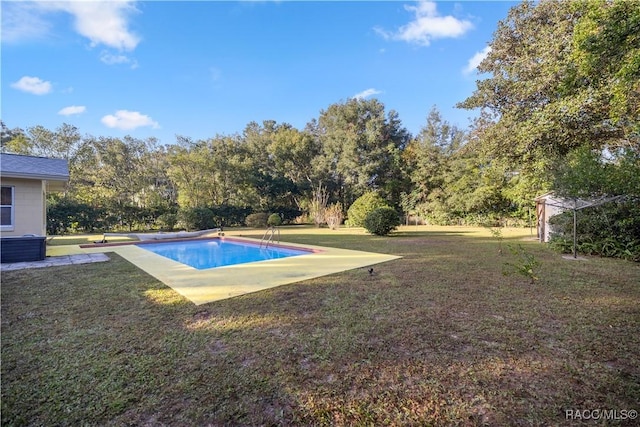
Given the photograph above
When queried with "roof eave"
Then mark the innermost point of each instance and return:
(61, 178)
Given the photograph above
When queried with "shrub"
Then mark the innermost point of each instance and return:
(198, 218)
(228, 215)
(257, 220)
(287, 214)
(274, 220)
(333, 215)
(167, 221)
(363, 205)
(382, 221)
(525, 264)
(70, 215)
(610, 230)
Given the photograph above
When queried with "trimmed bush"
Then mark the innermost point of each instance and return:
(257, 220)
(363, 205)
(199, 218)
(65, 215)
(382, 221)
(287, 213)
(274, 220)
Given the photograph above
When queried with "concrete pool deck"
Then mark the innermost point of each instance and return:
(204, 286)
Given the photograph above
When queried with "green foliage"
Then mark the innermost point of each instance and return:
(525, 264)
(586, 173)
(68, 215)
(381, 221)
(131, 216)
(533, 112)
(455, 184)
(274, 220)
(228, 216)
(362, 147)
(257, 220)
(607, 51)
(561, 244)
(581, 89)
(580, 174)
(167, 221)
(363, 205)
(578, 98)
(198, 218)
(287, 213)
(611, 230)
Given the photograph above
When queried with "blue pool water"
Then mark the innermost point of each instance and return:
(203, 254)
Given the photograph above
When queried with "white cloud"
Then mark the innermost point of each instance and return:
(111, 59)
(102, 22)
(427, 25)
(126, 120)
(22, 21)
(366, 93)
(73, 109)
(476, 59)
(32, 85)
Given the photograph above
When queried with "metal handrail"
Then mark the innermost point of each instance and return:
(270, 239)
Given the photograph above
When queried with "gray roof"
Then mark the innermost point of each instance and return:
(18, 166)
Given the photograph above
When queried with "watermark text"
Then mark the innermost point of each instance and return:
(601, 414)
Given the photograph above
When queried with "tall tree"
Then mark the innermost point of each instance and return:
(361, 147)
(13, 140)
(432, 151)
(212, 172)
(293, 153)
(544, 100)
(606, 44)
(273, 186)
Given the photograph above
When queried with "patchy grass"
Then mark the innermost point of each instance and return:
(439, 337)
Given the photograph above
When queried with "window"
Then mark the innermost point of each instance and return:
(6, 207)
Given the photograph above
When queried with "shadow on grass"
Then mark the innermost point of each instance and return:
(438, 337)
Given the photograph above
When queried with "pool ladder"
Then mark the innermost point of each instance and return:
(269, 236)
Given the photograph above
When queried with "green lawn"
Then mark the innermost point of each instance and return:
(439, 337)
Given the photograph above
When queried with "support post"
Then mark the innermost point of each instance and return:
(575, 221)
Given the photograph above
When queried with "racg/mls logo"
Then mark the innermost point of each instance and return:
(600, 414)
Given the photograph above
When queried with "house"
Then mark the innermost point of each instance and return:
(24, 182)
(548, 205)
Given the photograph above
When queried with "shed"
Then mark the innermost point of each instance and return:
(547, 205)
(24, 182)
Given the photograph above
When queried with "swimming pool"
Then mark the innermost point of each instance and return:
(211, 253)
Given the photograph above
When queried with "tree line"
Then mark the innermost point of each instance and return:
(354, 147)
(559, 109)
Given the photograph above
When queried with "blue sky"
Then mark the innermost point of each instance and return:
(197, 69)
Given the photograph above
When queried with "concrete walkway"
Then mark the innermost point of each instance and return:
(212, 284)
(54, 261)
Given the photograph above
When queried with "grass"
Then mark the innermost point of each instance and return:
(439, 337)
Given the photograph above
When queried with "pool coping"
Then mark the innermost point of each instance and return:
(205, 286)
(196, 239)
